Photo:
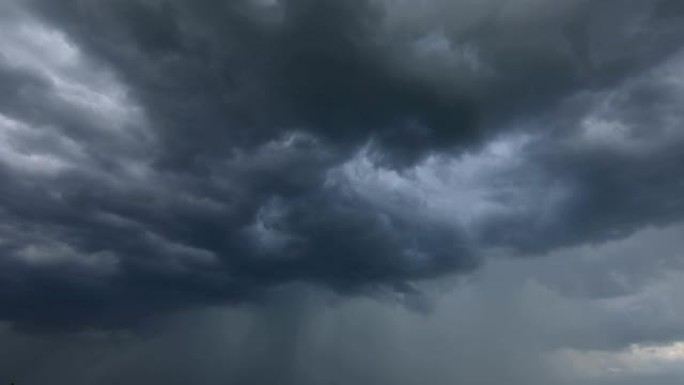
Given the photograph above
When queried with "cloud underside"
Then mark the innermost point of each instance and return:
(159, 155)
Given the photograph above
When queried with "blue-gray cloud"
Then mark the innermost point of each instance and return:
(159, 155)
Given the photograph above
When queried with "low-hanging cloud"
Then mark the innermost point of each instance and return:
(158, 155)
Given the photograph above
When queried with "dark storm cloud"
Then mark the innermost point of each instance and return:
(214, 72)
(211, 72)
(620, 159)
(163, 154)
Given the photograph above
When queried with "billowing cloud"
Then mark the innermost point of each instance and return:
(530, 319)
(159, 155)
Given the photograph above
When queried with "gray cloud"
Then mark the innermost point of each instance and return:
(162, 155)
(512, 315)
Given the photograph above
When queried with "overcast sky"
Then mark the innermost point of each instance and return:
(331, 192)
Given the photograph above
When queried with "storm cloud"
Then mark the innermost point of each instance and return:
(159, 156)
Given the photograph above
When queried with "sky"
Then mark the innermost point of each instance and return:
(328, 192)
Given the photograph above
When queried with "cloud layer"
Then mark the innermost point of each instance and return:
(161, 155)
